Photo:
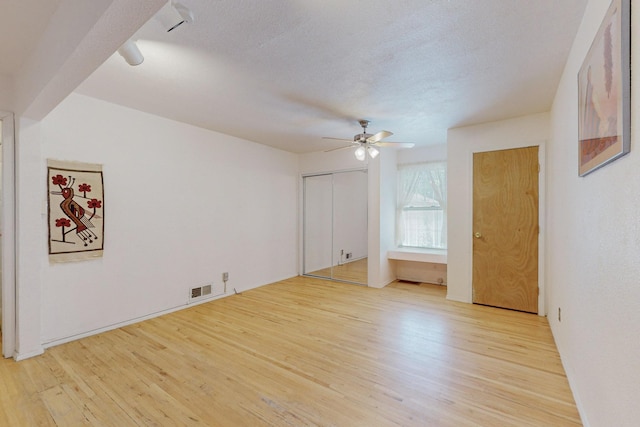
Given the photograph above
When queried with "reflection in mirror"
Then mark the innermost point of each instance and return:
(335, 226)
(317, 217)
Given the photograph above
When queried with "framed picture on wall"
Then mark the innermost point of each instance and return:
(604, 92)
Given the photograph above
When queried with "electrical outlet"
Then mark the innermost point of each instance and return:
(225, 276)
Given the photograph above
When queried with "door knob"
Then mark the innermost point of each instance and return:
(477, 235)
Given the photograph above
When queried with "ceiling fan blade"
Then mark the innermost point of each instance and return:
(380, 135)
(337, 139)
(396, 144)
(339, 148)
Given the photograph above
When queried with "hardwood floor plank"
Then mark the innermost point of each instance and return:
(303, 352)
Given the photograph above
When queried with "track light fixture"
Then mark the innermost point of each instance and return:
(173, 15)
(130, 52)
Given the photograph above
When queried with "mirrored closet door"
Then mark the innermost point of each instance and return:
(335, 226)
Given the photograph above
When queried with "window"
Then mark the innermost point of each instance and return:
(422, 205)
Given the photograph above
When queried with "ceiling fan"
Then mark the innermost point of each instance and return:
(367, 142)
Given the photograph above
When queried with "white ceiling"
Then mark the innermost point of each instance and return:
(22, 23)
(287, 72)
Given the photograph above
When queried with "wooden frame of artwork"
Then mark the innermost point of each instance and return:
(604, 92)
(76, 211)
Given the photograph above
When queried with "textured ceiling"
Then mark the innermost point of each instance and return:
(287, 72)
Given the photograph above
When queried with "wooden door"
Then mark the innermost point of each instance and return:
(505, 229)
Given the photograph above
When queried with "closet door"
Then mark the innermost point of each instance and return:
(317, 225)
(350, 226)
(335, 226)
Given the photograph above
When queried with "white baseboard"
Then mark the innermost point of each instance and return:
(22, 356)
(111, 327)
(62, 340)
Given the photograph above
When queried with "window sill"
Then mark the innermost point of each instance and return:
(436, 256)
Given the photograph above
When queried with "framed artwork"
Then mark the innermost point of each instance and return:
(76, 211)
(604, 92)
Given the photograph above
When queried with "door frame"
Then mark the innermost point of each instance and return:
(8, 229)
(542, 306)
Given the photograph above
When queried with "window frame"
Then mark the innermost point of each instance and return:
(433, 235)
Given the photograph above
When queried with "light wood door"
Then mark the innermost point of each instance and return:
(505, 229)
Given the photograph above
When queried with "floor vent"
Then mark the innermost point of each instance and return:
(200, 291)
(411, 282)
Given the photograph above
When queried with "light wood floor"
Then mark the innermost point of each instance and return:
(302, 352)
(355, 271)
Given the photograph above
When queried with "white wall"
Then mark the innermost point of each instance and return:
(462, 142)
(182, 205)
(319, 162)
(7, 214)
(30, 239)
(382, 217)
(6, 92)
(1, 221)
(593, 257)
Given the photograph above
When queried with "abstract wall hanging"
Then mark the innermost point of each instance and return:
(76, 211)
(604, 91)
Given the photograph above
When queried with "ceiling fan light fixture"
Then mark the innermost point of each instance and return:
(369, 143)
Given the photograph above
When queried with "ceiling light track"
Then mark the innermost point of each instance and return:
(173, 15)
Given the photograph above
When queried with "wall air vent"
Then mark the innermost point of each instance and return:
(199, 293)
